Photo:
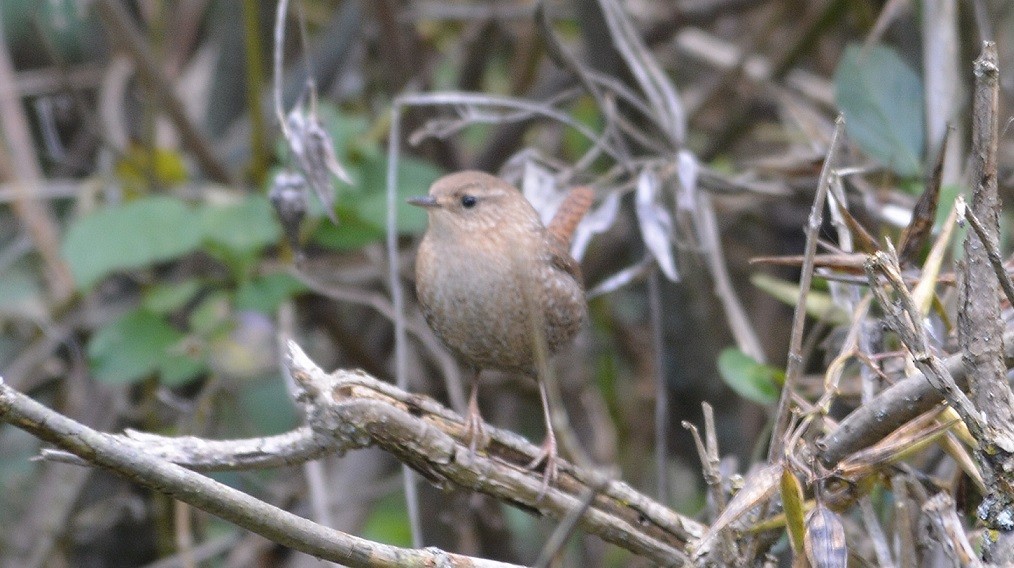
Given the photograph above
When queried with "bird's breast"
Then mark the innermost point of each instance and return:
(489, 301)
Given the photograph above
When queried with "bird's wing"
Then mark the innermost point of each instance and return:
(559, 257)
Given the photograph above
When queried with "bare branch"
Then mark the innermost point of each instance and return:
(204, 493)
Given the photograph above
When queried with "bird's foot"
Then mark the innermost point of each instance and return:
(475, 432)
(547, 458)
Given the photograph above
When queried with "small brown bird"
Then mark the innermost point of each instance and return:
(500, 289)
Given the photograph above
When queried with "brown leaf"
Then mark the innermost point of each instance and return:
(864, 241)
(917, 233)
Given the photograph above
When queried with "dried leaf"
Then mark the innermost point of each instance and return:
(688, 171)
(598, 221)
(825, 539)
(655, 222)
(621, 278)
(314, 152)
(758, 487)
(915, 235)
(657, 88)
(864, 241)
(539, 186)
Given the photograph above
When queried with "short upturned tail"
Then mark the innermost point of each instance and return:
(570, 213)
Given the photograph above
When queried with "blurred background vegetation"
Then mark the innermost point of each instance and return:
(144, 275)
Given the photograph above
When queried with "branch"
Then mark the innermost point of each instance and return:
(890, 409)
(349, 409)
(980, 325)
(221, 500)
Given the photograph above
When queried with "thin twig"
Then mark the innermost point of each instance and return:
(992, 252)
(906, 320)
(661, 389)
(19, 164)
(980, 327)
(398, 301)
(794, 369)
(567, 526)
(115, 16)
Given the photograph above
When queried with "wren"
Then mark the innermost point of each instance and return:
(498, 287)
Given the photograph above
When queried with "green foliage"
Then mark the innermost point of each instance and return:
(137, 345)
(266, 293)
(414, 178)
(388, 522)
(139, 168)
(269, 404)
(750, 379)
(134, 235)
(167, 297)
(241, 228)
(882, 100)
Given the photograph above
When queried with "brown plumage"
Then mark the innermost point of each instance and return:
(496, 285)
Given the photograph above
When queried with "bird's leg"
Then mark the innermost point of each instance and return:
(548, 453)
(475, 430)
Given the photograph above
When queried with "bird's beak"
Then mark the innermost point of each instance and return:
(427, 201)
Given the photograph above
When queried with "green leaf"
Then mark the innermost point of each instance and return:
(266, 404)
(212, 315)
(139, 167)
(351, 232)
(819, 305)
(882, 100)
(266, 293)
(414, 178)
(136, 345)
(164, 298)
(793, 504)
(138, 234)
(242, 228)
(750, 379)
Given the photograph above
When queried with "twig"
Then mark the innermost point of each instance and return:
(566, 528)
(906, 320)
(280, 11)
(943, 526)
(794, 369)
(992, 251)
(893, 407)
(980, 323)
(735, 313)
(661, 389)
(115, 16)
(876, 532)
(980, 329)
(398, 301)
(432, 440)
(295, 447)
(707, 451)
(221, 500)
(19, 165)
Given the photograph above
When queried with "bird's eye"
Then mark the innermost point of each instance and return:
(468, 201)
